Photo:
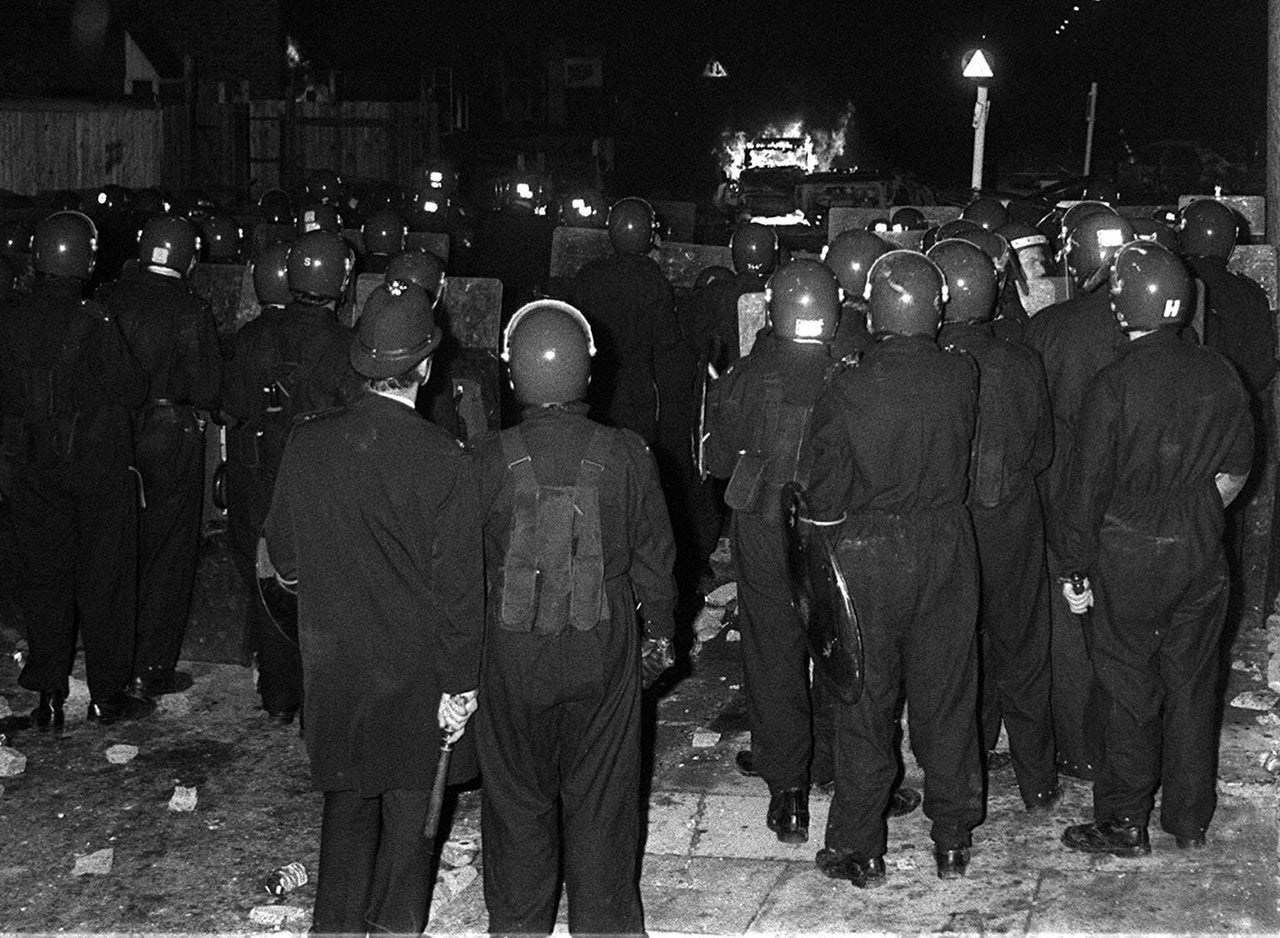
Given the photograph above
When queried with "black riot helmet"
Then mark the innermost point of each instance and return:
(804, 300)
(1091, 242)
(221, 239)
(15, 239)
(850, 256)
(384, 233)
(956, 228)
(65, 245)
(754, 249)
(972, 285)
(319, 265)
(418, 266)
(271, 275)
(1207, 228)
(276, 207)
(169, 241)
(325, 186)
(548, 348)
(319, 216)
(905, 293)
(632, 224)
(710, 275)
(909, 219)
(1150, 288)
(1151, 229)
(986, 212)
(396, 331)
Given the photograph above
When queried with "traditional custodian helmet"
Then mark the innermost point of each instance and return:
(804, 302)
(418, 266)
(548, 348)
(1150, 287)
(396, 331)
(906, 292)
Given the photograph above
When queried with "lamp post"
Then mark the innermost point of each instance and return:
(977, 68)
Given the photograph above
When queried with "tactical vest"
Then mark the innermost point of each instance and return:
(44, 434)
(774, 456)
(553, 571)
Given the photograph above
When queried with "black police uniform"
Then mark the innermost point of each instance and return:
(1237, 322)
(1011, 318)
(891, 441)
(852, 337)
(172, 334)
(293, 358)
(762, 406)
(631, 309)
(1014, 443)
(1075, 339)
(375, 516)
(1143, 517)
(559, 717)
(67, 384)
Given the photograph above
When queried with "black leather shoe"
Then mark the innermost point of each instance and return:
(1118, 837)
(746, 763)
(788, 815)
(159, 683)
(903, 801)
(840, 864)
(1189, 843)
(118, 708)
(48, 711)
(1042, 802)
(952, 862)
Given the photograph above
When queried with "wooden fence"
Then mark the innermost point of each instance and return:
(48, 145)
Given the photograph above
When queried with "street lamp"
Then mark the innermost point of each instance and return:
(977, 69)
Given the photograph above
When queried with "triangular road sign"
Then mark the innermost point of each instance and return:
(714, 70)
(976, 65)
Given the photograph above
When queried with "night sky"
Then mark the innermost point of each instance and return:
(1167, 69)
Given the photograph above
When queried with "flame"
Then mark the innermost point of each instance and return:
(815, 152)
(292, 54)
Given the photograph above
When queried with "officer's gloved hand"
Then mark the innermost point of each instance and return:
(454, 712)
(655, 657)
(1079, 594)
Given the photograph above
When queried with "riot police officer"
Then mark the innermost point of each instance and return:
(221, 241)
(631, 308)
(1014, 443)
(384, 233)
(1075, 339)
(172, 335)
(891, 440)
(1163, 441)
(850, 255)
(67, 384)
(418, 266)
(288, 363)
(754, 251)
(759, 413)
(576, 540)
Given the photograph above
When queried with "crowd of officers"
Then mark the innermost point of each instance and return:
(1027, 513)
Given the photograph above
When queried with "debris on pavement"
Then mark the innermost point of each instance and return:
(459, 851)
(1255, 700)
(97, 863)
(705, 739)
(183, 800)
(275, 916)
(121, 753)
(175, 705)
(12, 762)
(709, 623)
(453, 882)
(732, 635)
(285, 878)
(723, 594)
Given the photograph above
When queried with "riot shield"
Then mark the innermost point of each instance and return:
(822, 596)
(698, 433)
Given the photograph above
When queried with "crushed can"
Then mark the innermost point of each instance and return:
(284, 879)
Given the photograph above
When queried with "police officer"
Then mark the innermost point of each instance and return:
(891, 439)
(986, 212)
(631, 308)
(754, 251)
(850, 255)
(576, 539)
(1075, 339)
(67, 384)
(221, 239)
(759, 413)
(172, 335)
(374, 522)
(419, 266)
(288, 363)
(1014, 443)
(1163, 441)
(319, 216)
(384, 233)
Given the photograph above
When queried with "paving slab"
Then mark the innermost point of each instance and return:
(733, 826)
(705, 895)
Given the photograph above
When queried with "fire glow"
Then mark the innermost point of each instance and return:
(814, 150)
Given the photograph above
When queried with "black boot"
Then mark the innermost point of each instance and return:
(1121, 837)
(120, 707)
(788, 815)
(952, 862)
(840, 864)
(48, 711)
